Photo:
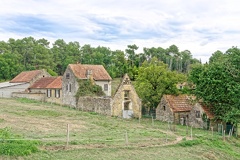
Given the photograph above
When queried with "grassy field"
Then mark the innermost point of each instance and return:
(93, 136)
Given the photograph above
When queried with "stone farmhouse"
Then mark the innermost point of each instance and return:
(75, 72)
(21, 82)
(126, 102)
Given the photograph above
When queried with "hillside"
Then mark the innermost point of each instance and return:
(94, 136)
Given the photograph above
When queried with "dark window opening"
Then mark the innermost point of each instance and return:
(105, 87)
(126, 94)
(198, 114)
(126, 105)
(164, 108)
(68, 76)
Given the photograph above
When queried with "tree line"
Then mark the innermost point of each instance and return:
(25, 54)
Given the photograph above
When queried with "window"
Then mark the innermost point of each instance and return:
(164, 108)
(126, 105)
(105, 87)
(70, 87)
(68, 76)
(126, 94)
(49, 93)
(197, 114)
(57, 93)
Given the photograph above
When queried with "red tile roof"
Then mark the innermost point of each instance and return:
(98, 71)
(26, 76)
(179, 103)
(48, 82)
(208, 111)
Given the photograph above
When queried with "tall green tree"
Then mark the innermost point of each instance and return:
(154, 80)
(218, 84)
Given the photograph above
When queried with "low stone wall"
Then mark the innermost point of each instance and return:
(35, 96)
(99, 105)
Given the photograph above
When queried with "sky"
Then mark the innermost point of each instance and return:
(200, 26)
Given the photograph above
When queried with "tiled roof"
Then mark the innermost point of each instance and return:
(26, 76)
(179, 103)
(48, 82)
(98, 71)
(208, 111)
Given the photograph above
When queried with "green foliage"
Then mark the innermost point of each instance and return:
(217, 84)
(51, 72)
(189, 143)
(87, 88)
(26, 100)
(11, 147)
(30, 54)
(154, 80)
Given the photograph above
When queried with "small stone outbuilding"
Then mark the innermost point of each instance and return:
(21, 82)
(174, 109)
(126, 103)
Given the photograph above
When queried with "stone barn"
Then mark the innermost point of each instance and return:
(174, 109)
(201, 116)
(75, 72)
(126, 102)
(21, 82)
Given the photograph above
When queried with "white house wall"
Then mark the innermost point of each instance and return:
(101, 83)
(6, 92)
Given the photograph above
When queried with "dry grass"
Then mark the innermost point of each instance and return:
(94, 136)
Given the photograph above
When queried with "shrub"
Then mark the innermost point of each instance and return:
(12, 147)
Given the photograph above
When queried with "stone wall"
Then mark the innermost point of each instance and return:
(35, 96)
(163, 112)
(99, 105)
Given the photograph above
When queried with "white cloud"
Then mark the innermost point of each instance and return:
(201, 26)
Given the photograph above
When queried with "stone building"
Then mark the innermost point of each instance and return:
(174, 109)
(21, 82)
(126, 102)
(75, 72)
(201, 117)
(47, 89)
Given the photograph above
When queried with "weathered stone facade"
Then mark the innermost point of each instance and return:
(69, 88)
(126, 100)
(74, 72)
(174, 109)
(195, 117)
(99, 105)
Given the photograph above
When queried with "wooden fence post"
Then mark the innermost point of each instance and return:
(126, 138)
(67, 134)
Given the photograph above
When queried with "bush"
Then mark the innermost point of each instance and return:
(190, 143)
(18, 147)
(11, 147)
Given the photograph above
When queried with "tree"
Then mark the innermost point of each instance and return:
(218, 84)
(154, 79)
